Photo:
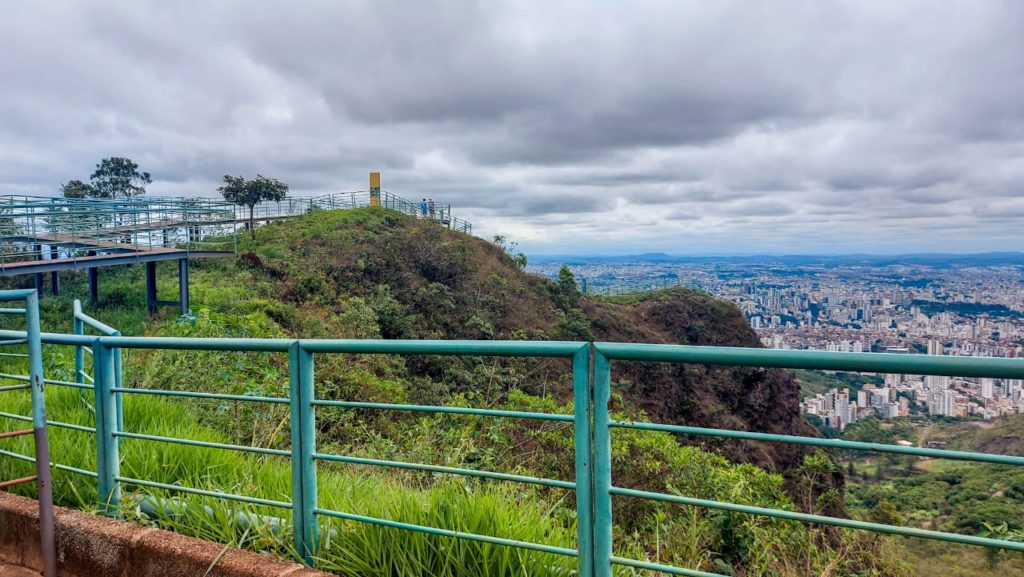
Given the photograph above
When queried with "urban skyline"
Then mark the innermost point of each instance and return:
(950, 306)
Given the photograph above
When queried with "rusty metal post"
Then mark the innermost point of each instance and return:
(47, 534)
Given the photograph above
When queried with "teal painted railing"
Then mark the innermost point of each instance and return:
(34, 381)
(593, 428)
(293, 206)
(42, 228)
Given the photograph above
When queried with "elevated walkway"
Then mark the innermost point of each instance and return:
(40, 235)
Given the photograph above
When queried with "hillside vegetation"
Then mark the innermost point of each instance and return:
(374, 274)
(954, 496)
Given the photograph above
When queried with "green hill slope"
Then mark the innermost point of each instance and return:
(403, 278)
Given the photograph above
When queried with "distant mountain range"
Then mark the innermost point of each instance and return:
(927, 259)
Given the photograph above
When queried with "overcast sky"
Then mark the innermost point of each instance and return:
(572, 127)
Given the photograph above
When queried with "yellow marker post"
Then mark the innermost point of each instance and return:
(374, 189)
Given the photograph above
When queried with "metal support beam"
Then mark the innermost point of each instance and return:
(602, 468)
(39, 283)
(115, 259)
(584, 441)
(151, 299)
(108, 462)
(183, 285)
(304, 490)
(54, 276)
(94, 289)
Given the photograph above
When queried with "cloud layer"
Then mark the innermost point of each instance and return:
(689, 127)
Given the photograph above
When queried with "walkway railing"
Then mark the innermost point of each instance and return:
(34, 228)
(294, 206)
(55, 228)
(591, 367)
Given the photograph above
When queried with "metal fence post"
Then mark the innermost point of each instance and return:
(583, 426)
(303, 441)
(602, 468)
(108, 461)
(295, 402)
(308, 440)
(118, 382)
(79, 357)
(44, 480)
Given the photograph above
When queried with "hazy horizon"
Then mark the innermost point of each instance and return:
(758, 254)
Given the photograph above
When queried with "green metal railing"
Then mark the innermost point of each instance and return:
(441, 213)
(36, 228)
(294, 206)
(35, 382)
(50, 228)
(591, 369)
(605, 353)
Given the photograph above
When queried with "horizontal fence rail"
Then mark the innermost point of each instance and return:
(106, 348)
(605, 489)
(591, 373)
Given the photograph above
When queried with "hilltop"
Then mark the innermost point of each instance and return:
(422, 281)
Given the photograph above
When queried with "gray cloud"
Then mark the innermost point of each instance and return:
(610, 126)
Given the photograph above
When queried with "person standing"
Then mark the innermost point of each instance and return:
(430, 208)
(423, 208)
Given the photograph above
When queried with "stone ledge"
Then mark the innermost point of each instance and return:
(91, 545)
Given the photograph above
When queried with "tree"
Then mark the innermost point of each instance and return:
(243, 192)
(118, 177)
(885, 512)
(510, 249)
(77, 189)
(568, 291)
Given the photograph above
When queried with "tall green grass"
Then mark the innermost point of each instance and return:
(349, 548)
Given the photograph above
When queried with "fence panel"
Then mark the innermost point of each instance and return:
(591, 366)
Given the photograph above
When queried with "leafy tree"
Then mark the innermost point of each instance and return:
(815, 489)
(568, 291)
(510, 249)
(244, 192)
(77, 189)
(999, 531)
(575, 326)
(118, 177)
(885, 512)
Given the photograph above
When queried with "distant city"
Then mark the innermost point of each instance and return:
(966, 305)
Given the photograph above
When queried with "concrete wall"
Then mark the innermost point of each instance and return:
(94, 546)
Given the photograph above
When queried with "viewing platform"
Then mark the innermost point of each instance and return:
(40, 235)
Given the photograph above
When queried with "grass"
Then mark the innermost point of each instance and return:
(930, 558)
(349, 547)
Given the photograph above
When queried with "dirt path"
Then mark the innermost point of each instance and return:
(924, 464)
